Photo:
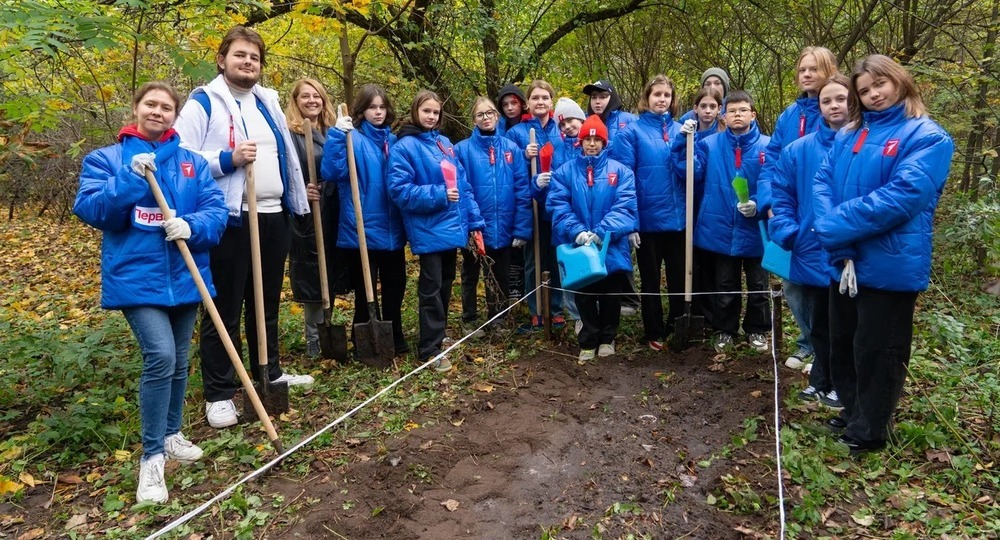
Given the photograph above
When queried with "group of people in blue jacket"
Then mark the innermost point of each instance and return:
(848, 183)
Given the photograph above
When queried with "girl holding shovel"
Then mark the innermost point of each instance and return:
(142, 271)
(371, 116)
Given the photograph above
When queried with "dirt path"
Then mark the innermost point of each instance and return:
(565, 450)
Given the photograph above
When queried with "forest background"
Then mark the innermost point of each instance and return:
(68, 69)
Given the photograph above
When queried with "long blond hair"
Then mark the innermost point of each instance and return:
(826, 62)
(879, 65)
(294, 116)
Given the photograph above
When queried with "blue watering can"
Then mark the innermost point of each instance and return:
(776, 260)
(580, 266)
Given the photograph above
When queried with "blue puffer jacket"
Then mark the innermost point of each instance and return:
(608, 206)
(383, 221)
(499, 181)
(719, 226)
(876, 193)
(796, 121)
(138, 266)
(520, 134)
(416, 185)
(792, 204)
(644, 147)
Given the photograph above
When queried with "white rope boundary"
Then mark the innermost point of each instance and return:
(269, 465)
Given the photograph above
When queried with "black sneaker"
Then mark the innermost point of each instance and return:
(860, 447)
(830, 399)
(810, 394)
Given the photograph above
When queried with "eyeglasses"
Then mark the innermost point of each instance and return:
(739, 112)
(486, 115)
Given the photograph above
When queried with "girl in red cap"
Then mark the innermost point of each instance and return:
(592, 199)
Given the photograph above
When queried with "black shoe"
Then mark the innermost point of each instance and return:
(860, 447)
(837, 424)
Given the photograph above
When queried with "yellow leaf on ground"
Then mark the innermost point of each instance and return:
(483, 387)
(450, 504)
(9, 486)
(32, 534)
(93, 476)
(26, 479)
(122, 455)
(458, 422)
(410, 426)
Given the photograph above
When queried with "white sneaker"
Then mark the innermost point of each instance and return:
(759, 342)
(606, 349)
(151, 486)
(586, 355)
(807, 369)
(221, 414)
(442, 364)
(180, 449)
(292, 379)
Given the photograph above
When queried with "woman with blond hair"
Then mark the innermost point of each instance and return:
(311, 102)
(874, 200)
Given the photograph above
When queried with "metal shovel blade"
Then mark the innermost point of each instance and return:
(332, 341)
(373, 342)
(686, 328)
(274, 397)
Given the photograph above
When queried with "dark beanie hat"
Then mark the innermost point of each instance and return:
(716, 72)
(593, 127)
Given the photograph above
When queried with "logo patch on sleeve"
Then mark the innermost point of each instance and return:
(762, 154)
(187, 169)
(891, 147)
(508, 157)
(613, 179)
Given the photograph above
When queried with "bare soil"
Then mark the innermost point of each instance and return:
(562, 450)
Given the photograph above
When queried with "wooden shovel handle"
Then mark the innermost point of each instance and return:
(539, 308)
(689, 219)
(324, 279)
(213, 313)
(352, 168)
(258, 275)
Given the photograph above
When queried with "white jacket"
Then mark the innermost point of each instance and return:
(214, 133)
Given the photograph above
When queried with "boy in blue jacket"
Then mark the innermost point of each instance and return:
(726, 227)
(592, 196)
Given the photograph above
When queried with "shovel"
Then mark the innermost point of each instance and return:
(332, 338)
(541, 308)
(274, 395)
(213, 313)
(373, 341)
(687, 326)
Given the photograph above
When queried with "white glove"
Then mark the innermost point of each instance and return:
(748, 209)
(344, 124)
(177, 229)
(584, 238)
(518, 243)
(543, 179)
(849, 279)
(141, 162)
(689, 126)
(634, 240)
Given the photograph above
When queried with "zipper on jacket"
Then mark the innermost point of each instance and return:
(861, 140)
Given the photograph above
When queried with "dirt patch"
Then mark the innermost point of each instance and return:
(637, 443)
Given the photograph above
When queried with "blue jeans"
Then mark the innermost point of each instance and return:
(164, 335)
(801, 307)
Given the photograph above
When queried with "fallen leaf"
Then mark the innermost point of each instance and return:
(7, 520)
(26, 479)
(755, 394)
(427, 445)
(648, 447)
(195, 536)
(93, 476)
(352, 442)
(76, 521)
(9, 486)
(749, 532)
(450, 504)
(122, 455)
(985, 499)
(941, 456)
(688, 480)
(458, 422)
(410, 426)
(483, 387)
(490, 406)
(716, 367)
(570, 523)
(70, 479)
(32, 534)
(863, 520)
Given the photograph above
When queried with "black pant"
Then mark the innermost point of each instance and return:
(388, 271)
(233, 279)
(819, 322)
(660, 249)
(437, 273)
(496, 273)
(600, 311)
(703, 280)
(870, 338)
(726, 316)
